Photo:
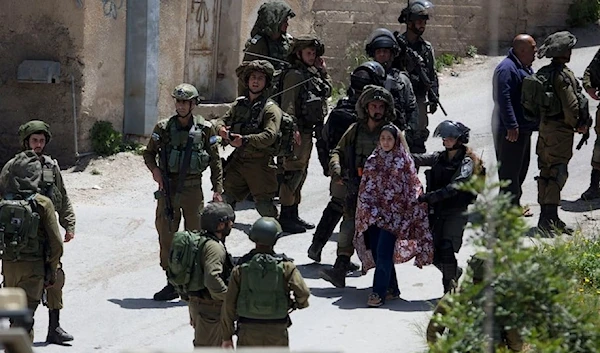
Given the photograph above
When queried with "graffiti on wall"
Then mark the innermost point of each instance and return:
(201, 16)
(111, 9)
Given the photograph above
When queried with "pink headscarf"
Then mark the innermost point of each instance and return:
(387, 198)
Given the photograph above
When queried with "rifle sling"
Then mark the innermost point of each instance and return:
(187, 157)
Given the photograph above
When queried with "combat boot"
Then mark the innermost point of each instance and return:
(337, 274)
(56, 334)
(549, 222)
(558, 223)
(166, 294)
(593, 192)
(327, 224)
(299, 220)
(288, 221)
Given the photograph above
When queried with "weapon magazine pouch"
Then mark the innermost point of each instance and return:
(174, 160)
(312, 109)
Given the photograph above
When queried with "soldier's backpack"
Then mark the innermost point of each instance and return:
(263, 289)
(19, 222)
(538, 96)
(284, 144)
(339, 120)
(185, 272)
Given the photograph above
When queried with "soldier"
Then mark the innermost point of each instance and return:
(258, 297)
(339, 120)
(591, 83)
(307, 104)
(185, 150)
(503, 337)
(216, 264)
(374, 108)
(32, 245)
(251, 127)
(35, 135)
(557, 128)
(383, 48)
(270, 39)
(447, 204)
(415, 15)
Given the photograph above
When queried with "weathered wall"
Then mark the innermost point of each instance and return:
(55, 32)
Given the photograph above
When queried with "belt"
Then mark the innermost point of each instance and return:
(254, 154)
(174, 180)
(247, 320)
(203, 301)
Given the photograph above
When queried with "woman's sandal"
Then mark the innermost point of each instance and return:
(391, 295)
(374, 300)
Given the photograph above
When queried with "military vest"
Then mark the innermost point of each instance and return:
(177, 143)
(48, 185)
(441, 175)
(263, 290)
(311, 103)
(397, 87)
(425, 50)
(19, 229)
(339, 120)
(277, 49)
(247, 119)
(364, 143)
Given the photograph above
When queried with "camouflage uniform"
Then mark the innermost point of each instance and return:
(555, 141)
(307, 104)
(591, 81)
(51, 186)
(250, 168)
(419, 10)
(205, 305)
(339, 120)
(261, 331)
(346, 163)
(187, 199)
(268, 25)
(22, 176)
(502, 337)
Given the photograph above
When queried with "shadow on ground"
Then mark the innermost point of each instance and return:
(579, 205)
(353, 298)
(145, 303)
(311, 270)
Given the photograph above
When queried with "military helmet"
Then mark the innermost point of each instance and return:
(416, 10)
(375, 93)
(186, 92)
(478, 265)
(266, 231)
(368, 73)
(452, 129)
(381, 38)
(263, 66)
(557, 44)
(302, 42)
(215, 213)
(34, 127)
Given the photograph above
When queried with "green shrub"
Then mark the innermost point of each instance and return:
(446, 60)
(106, 140)
(355, 55)
(471, 51)
(583, 12)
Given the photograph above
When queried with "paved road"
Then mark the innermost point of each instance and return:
(112, 266)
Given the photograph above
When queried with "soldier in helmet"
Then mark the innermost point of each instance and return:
(447, 203)
(383, 48)
(31, 242)
(591, 84)
(503, 337)
(258, 297)
(216, 264)
(251, 127)
(339, 120)
(557, 129)
(35, 135)
(183, 142)
(270, 39)
(306, 102)
(415, 15)
(374, 108)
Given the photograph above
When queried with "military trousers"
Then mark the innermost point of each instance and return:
(554, 149)
(262, 335)
(295, 172)
(421, 134)
(188, 204)
(449, 228)
(28, 275)
(345, 244)
(205, 317)
(54, 294)
(596, 152)
(337, 192)
(252, 174)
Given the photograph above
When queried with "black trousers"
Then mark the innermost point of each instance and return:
(513, 158)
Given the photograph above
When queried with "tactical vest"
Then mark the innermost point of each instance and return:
(263, 291)
(48, 185)
(277, 49)
(311, 103)
(396, 86)
(177, 143)
(19, 229)
(365, 143)
(425, 50)
(538, 96)
(441, 175)
(246, 119)
(339, 120)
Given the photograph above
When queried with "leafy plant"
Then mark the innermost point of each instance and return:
(583, 12)
(355, 55)
(471, 51)
(446, 60)
(106, 140)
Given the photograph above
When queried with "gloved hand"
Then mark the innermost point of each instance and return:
(432, 107)
(424, 198)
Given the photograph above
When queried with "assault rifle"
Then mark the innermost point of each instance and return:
(419, 68)
(164, 161)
